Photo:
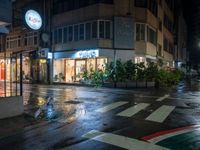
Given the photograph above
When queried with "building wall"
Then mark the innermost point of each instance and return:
(90, 13)
(144, 15)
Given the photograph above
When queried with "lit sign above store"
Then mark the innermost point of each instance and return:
(33, 19)
(92, 53)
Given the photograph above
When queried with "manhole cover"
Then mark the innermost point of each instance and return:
(73, 102)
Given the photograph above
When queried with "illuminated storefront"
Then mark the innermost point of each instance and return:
(72, 69)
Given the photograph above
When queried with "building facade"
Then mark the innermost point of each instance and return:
(23, 39)
(88, 34)
(154, 31)
(181, 53)
(5, 22)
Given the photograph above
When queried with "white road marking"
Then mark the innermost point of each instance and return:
(160, 114)
(162, 98)
(111, 106)
(133, 110)
(121, 141)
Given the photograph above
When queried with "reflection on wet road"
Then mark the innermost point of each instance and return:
(69, 117)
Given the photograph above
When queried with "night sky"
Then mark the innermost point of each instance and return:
(192, 15)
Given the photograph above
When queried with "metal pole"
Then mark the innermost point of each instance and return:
(21, 75)
(5, 73)
(10, 75)
(16, 73)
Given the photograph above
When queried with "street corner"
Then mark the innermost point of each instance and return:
(176, 139)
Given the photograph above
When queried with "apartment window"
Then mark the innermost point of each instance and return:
(165, 43)
(88, 31)
(19, 41)
(140, 32)
(55, 36)
(151, 36)
(168, 45)
(65, 33)
(141, 3)
(160, 2)
(81, 31)
(94, 29)
(170, 4)
(60, 6)
(70, 33)
(153, 7)
(35, 39)
(25, 40)
(168, 23)
(108, 30)
(160, 25)
(76, 33)
(101, 29)
(60, 34)
(159, 53)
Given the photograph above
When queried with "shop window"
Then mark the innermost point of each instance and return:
(65, 33)
(80, 69)
(101, 62)
(88, 31)
(70, 33)
(75, 32)
(91, 63)
(94, 29)
(81, 31)
(69, 73)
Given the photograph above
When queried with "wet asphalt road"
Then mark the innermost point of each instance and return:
(64, 115)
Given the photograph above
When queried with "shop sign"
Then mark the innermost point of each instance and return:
(33, 19)
(87, 53)
(49, 55)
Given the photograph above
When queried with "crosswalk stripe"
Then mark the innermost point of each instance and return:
(121, 141)
(162, 98)
(111, 106)
(160, 114)
(133, 110)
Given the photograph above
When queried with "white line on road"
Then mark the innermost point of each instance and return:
(162, 98)
(121, 141)
(160, 114)
(111, 106)
(133, 110)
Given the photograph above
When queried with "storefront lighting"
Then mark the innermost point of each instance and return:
(92, 53)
